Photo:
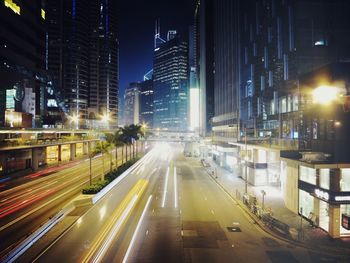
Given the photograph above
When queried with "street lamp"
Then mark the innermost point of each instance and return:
(75, 119)
(325, 94)
(105, 119)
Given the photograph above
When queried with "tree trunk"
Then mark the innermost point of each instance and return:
(116, 157)
(110, 161)
(122, 154)
(126, 153)
(136, 148)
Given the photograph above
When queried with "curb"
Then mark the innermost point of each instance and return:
(29, 241)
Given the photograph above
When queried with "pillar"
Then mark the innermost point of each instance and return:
(72, 151)
(317, 210)
(334, 180)
(35, 158)
(334, 221)
(59, 155)
(85, 148)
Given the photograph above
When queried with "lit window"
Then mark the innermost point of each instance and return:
(13, 6)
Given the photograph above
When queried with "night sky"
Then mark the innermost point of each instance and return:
(136, 32)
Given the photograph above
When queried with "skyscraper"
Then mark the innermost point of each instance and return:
(103, 61)
(132, 104)
(83, 57)
(170, 82)
(22, 60)
(204, 61)
(147, 103)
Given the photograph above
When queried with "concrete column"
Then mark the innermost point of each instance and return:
(59, 155)
(85, 148)
(317, 210)
(334, 221)
(72, 151)
(35, 158)
(334, 180)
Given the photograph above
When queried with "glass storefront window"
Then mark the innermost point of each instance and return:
(345, 180)
(306, 203)
(307, 174)
(324, 178)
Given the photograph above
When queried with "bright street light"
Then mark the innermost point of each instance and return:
(105, 118)
(325, 94)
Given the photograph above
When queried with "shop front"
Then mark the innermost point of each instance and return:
(324, 199)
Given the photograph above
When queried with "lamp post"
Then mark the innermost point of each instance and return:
(263, 198)
(245, 162)
(90, 170)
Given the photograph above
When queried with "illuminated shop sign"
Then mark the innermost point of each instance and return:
(342, 198)
(345, 221)
(322, 194)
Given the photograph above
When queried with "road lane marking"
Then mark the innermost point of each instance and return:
(175, 188)
(137, 229)
(165, 187)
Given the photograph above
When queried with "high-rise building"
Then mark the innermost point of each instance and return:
(22, 62)
(204, 63)
(193, 97)
(146, 103)
(226, 77)
(170, 82)
(103, 62)
(132, 103)
(83, 58)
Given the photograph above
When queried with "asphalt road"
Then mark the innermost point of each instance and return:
(169, 210)
(26, 207)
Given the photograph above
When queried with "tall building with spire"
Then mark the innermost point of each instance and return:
(170, 82)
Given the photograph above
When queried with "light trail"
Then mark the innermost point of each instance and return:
(114, 231)
(119, 216)
(175, 188)
(137, 229)
(165, 187)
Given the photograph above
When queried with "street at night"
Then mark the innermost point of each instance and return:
(175, 131)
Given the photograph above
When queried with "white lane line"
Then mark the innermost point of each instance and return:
(114, 231)
(137, 229)
(175, 188)
(165, 187)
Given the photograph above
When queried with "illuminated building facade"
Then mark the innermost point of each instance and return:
(22, 60)
(170, 82)
(146, 103)
(103, 61)
(83, 57)
(204, 63)
(132, 103)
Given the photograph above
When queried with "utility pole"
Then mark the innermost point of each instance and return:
(90, 173)
(245, 162)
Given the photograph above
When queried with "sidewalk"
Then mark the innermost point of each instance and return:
(311, 237)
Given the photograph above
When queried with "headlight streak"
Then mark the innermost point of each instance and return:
(175, 188)
(114, 231)
(165, 187)
(136, 230)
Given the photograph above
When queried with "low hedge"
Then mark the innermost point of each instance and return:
(98, 186)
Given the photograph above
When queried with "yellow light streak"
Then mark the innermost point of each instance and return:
(102, 240)
(13, 6)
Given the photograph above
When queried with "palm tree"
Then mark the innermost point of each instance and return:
(103, 147)
(137, 132)
(127, 139)
(118, 141)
